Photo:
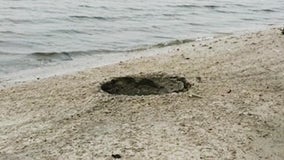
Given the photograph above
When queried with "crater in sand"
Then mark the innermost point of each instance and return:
(146, 85)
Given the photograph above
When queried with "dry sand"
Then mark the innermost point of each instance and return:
(238, 113)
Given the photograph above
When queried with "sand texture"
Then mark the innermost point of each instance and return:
(233, 109)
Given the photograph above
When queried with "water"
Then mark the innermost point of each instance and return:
(37, 33)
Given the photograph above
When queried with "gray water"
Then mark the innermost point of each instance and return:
(36, 33)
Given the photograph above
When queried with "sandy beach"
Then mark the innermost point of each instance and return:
(233, 108)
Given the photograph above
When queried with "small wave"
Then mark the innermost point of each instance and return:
(263, 10)
(171, 15)
(12, 33)
(85, 6)
(7, 32)
(174, 42)
(227, 12)
(249, 19)
(240, 5)
(51, 56)
(18, 8)
(17, 21)
(185, 6)
(68, 56)
(211, 6)
(195, 24)
(135, 9)
(68, 31)
(90, 17)
(161, 45)
(4, 53)
(268, 10)
(196, 6)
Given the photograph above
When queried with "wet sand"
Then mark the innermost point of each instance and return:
(234, 108)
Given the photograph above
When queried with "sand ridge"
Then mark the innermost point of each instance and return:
(237, 114)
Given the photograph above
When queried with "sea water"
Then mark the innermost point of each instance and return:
(38, 34)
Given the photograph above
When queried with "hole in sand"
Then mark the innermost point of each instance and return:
(146, 85)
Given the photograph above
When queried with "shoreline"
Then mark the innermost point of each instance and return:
(239, 114)
(80, 64)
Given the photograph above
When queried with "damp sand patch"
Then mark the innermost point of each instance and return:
(146, 85)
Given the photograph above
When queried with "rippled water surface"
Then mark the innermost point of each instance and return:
(31, 30)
